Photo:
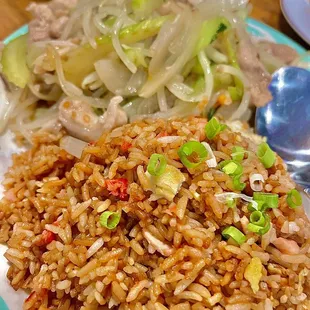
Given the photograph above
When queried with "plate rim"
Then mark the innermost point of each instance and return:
(299, 30)
(250, 21)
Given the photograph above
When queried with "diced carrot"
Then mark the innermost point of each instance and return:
(162, 134)
(126, 146)
(118, 188)
(46, 238)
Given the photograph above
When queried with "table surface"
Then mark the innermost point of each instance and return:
(13, 15)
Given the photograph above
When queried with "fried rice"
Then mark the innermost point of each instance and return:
(163, 254)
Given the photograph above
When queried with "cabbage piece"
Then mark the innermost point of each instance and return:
(253, 273)
(210, 30)
(80, 62)
(168, 184)
(232, 58)
(143, 8)
(14, 61)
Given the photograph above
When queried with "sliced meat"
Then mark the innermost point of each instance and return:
(81, 121)
(284, 52)
(49, 19)
(253, 69)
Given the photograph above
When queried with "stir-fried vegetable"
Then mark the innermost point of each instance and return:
(14, 61)
(238, 153)
(294, 199)
(142, 8)
(166, 185)
(235, 234)
(192, 154)
(266, 200)
(213, 128)
(110, 219)
(210, 30)
(86, 55)
(157, 165)
(266, 155)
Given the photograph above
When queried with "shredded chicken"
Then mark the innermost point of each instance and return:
(49, 19)
(81, 121)
(253, 69)
(286, 246)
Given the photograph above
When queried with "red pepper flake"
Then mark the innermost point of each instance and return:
(46, 238)
(118, 188)
(162, 134)
(91, 143)
(126, 146)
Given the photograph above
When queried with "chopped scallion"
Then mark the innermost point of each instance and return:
(238, 153)
(157, 165)
(231, 203)
(231, 167)
(235, 234)
(258, 218)
(110, 219)
(294, 199)
(266, 200)
(266, 155)
(238, 185)
(261, 230)
(213, 128)
(192, 154)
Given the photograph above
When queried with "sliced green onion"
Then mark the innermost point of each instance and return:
(213, 128)
(258, 229)
(266, 155)
(266, 227)
(266, 200)
(237, 183)
(157, 165)
(258, 207)
(263, 230)
(192, 154)
(235, 234)
(294, 199)
(110, 219)
(238, 153)
(231, 167)
(258, 218)
(231, 203)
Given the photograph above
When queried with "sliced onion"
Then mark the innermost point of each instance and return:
(73, 146)
(68, 88)
(211, 162)
(256, 181)
(117, 44)
(162, 100)
(216, 56)
(231, 195)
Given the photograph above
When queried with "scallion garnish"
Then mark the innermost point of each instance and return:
(231, 167)
(257, 218)
(294, 199)
(238, 185)
(235, 234)
(260, 229)
(238, 153)
(266, 155)
(110, 219)
(231, 203)
(213, 128)
(157, 165)
(266, 200)
(192, 154)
